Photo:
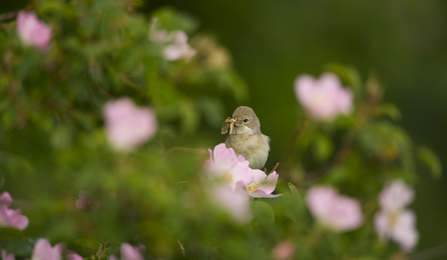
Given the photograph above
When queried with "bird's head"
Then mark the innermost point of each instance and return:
(243, 121)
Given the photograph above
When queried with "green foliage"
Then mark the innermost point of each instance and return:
(430, 159)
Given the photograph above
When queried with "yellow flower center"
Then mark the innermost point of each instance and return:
(392, 218)
(228, 175)
(252, 187)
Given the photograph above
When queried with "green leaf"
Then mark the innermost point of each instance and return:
(11, 233)
(384, 141)
(430, 159)
(295, 204)
(19, 247)
(61, 137)
(295, 193)
(87, 242)
(337, 175)
(389, 110)
(263, 213)
(171, 19)
(322, 147)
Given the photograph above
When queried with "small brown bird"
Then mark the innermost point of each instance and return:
(246, 138)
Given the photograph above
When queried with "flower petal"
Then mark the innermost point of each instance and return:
(43, 251)
(128, 252)
(269, 184)
(242, 175)
(405, 233)
(233, 201)
(382, 225)
(262, 194)
(224, 158)
(6, 256)
(337, 212)
(18, 220)
(396, 195)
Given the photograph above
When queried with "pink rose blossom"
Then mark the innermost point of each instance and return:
(180, 47)
(10, 217)
(43, 250)
(32, 31)
(324, 98)
(396, 195)
(129, 252)
(283, 251)
(74, 256)
(6, 256)
(235, 202)
(393, 220)
(112, 257)
(225, 164)
(262, 185)
(127, 125)
(337, 212)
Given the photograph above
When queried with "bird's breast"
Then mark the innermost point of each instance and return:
(254, 148)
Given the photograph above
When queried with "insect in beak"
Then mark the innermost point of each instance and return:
(229, 122)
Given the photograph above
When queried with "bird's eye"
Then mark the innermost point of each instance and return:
(245, 120)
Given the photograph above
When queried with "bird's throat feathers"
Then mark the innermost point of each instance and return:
(243, 129)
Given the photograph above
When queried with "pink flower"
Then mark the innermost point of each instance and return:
(337, 212)
(32, 31)
(225, 164)
(262, 185)
(180, 47)
(283, 251)
(393, 220)
(44, 251)
(235, 202)
(74, 256)
(396, 195)
(324, 98)
(6, 256)
(10, 217)
(129, 252)
(128, 126)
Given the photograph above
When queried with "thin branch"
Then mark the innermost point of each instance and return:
(274, 167)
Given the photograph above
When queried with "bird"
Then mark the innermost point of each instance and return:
(246, 138)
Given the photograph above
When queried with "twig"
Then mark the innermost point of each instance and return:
(182, 248)
(274, 168)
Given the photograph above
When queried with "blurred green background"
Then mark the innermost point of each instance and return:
(403, 42)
